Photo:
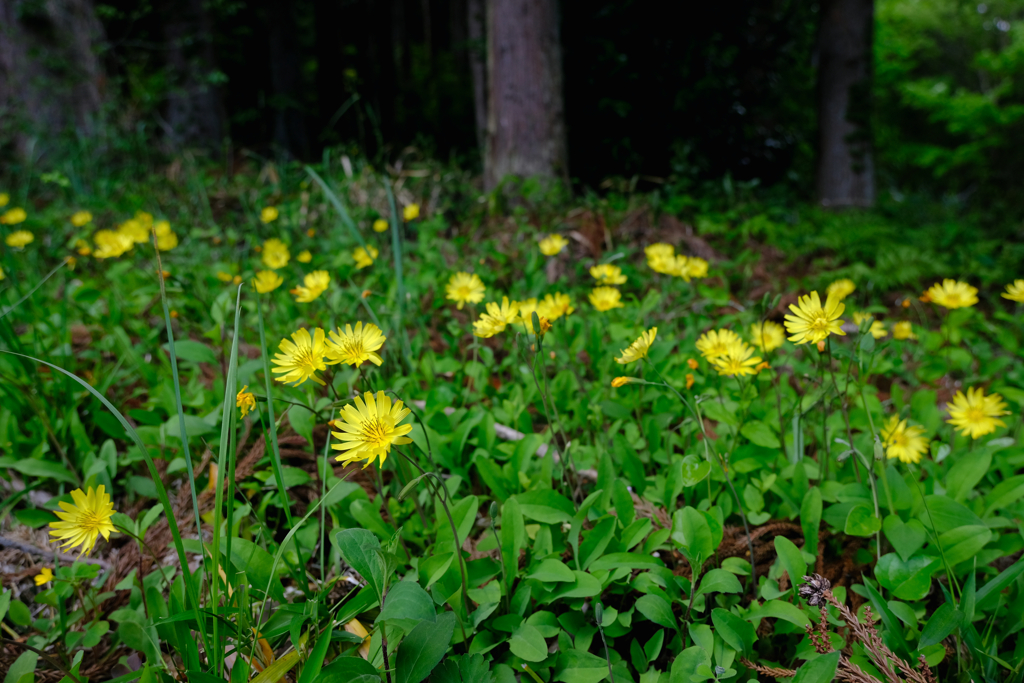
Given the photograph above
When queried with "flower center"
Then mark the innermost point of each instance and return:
(953, 299)
(376, 431)
(975, 415)
(819, 323)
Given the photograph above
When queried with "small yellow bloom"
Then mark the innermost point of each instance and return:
(554, 306)
(13, 216)
(144, 218)
(907, 444)
(224, 277)
(497, 318)
(4, 198)
(411, 212)
(135, 230)
(304, 256)
(370, 428)
(553, 244)
(738, 359)
(639, 348)
(82, 247)
(82, 523)
(44, 576)
(715, 343)
(685, 267)
(621, 381)
(380, 225)
(245, 401)
(111, 244)
(301, 357)
(1015, 291)
(841, 289)
(174, 313)
(953, 294)
(463, 288)
(355, 346)
(526, 310)
(767, 335)
(269, 214)
(166, 241)
(877, 329)
(607, 274)
(976, 414)
(903, 330)
(80, 218)
(659, 252)
(689, 381)
(905, 303)
(313, 285)
(811, 322)
(19, 239)
(605, 298)
(365, 257)
(763, 366)
(275, 254)
(266, 281)
(236, 280)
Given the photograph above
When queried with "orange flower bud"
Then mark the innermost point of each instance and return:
(821, 346)
(689, 381)
(692, 363)
(621, 381)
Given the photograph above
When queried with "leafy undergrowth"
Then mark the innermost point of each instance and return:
(623, 472)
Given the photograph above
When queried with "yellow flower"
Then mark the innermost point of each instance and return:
(639, 348)
(621, 381)
(110, 244)
(812, 323)
(553, 244)
(4, 198)
(554, 306)
(903, 442)
(976, 414)
(607, 274)
(82, 247)
(737, 360)
(236, 280)
(167, 241)
(13, 216)
(715, 343)
(82, 523)
(877, 329)
(370, 428)
(304, 256)
(144, 218)
(767, 335)
(903, 330)
(953, 294)
(266, 281)
(411, 212)
(224, 277)
(841, 289)
(134, 230)
(245, 401)
(313, 285)
(44, 576)
(659, 251)
(605, 298)
(365, 257)
(497, 318)
(463, 288)
(1015, 291)
(300, 358)
(685, 267)
(269, 214)
(162, 228)
(19, 238)
(380, 225)
(80, 218)
(696, 267)
(275, 254)
(355, 346)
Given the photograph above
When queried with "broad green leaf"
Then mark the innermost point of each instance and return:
(22, 668)
(906, 537)
(406, 605)
(1005, 494)
(546, 506)
(997, 584)
(552, 570)
(314, 663)
(944, 621)
(780, 609)
(963, 543)
(42, 468)
(947, 514)
(908, 580)
(861, 521)
(685, 665)
(349, 670)
(965, 474)
(360, 549)
(257, 563)
(718, 581)
(791, 559)
(760, 433)
(629, 560)
(737, 632)
(821, 669)
(691, 532)
(424, 647)
(657, 609)
(527, 643)
(810, 519)
(581, 667)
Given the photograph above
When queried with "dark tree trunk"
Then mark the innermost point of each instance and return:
(525, 111)
(286, 82)
(477, 20)
(195, 109)
(51, 79)
(846, 170)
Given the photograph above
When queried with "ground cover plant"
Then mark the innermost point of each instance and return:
(332, 424)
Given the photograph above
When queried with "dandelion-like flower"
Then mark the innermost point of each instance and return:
(304, 256)
(696, 268)
(166, 239)
(301, 357)
(313, 285)
(269, 214)
(1015, 291)
(767, 335)
(526, 310)
(135, 230)
(80, 218)
(19, 239)
(464, 288)
(715, 343)
(111, 244)
(497, 318)
(659, 253)
(907, 443)
(370, 428)
(738, 359)
(903, 330)
(225, 277)
(44, 576)
(952, 294)
(607, 274)
(974, 414)
(841, 289)
(877, 328)
(380, 225)
(639, 348)
(13, 216)
(554, 306)
(275, 254)
(245, 401)
(355, 346)
(266, 281)
(411, 212)
(813, 323)
(605, 298)
(553, 244)
(365, 257)
(82, 523)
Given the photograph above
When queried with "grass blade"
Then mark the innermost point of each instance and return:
(342, 211)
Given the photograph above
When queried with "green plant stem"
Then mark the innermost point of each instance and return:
(953, 586)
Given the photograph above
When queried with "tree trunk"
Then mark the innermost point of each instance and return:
(195, 111)
(525, 111)
(477, 50)
(846, 170)
(286, 82)
(51, 79)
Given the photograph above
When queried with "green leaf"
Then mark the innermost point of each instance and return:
(691, 531)
(311, 669)
(945, 620)
(947, 514)
(693, 471)
(780, 609)
(686, 664)
(194, 426)
(360, 549)
(658, 610)
(892, 634)
(527, 643)
(959, 545)
(719, 581)
(546, 506)
(629, 560)
(513, 537)
(257, 563)
(737, 632)
(821, 669)
(993, 587)
(42, 468)
(552, 570)
(349, 670)
(810, 519)
(581, 667)
(406, 605)
(965, 474)
(791, 559)
(906, 537)
(760, 433)
(19, 613)
(1004, 494)
(908, 580)
(422, 650)
(23, 667)
(197, 352)
(861, 521)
